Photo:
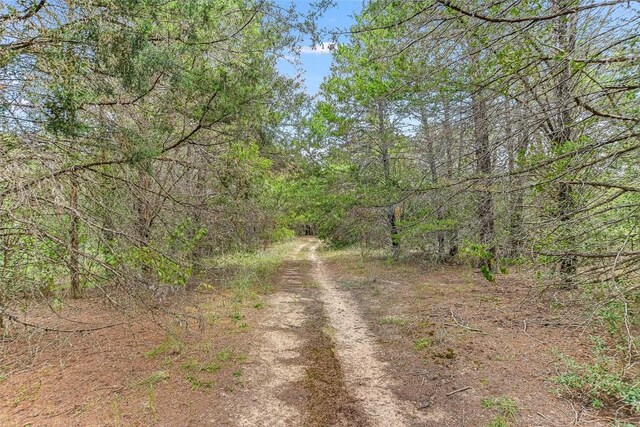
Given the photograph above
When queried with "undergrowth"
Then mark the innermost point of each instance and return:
(602, 382)
(253, 270)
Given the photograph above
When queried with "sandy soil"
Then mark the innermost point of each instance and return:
(278, 363)
(366, 376)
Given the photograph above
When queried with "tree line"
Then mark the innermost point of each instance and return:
(504, 130)
(136, 139)
(503, 133)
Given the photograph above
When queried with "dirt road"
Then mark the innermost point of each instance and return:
(282, 369)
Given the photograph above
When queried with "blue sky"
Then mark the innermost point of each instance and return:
(315, 64)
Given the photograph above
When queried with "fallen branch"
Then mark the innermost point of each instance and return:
(524, 329)
(460, 390)
(15, 318)
(461, 324)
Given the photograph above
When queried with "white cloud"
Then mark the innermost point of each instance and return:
(323, 48)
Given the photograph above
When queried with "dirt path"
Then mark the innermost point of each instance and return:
(316, 363)
(366, 376)
(278, 365)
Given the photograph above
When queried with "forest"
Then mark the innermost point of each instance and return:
(461, 197)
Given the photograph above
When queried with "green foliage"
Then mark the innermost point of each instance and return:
(487, 273)
(478, 253)
(61, 110)
(171, 143)
(163, 138)
(599, 382)
(166, 270)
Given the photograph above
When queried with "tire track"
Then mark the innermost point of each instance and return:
(365, 375)
(278, 365)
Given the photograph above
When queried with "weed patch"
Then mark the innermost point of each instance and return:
(198, 383)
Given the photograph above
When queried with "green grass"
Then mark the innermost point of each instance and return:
(170, 345)
(255, 267)
(236, 315)
(506, 407)
(251, 274)
(224, 355)
(422, 343)
(195, 365)
(393, 321)
(498, 421)
(238, 376)
(198, 383)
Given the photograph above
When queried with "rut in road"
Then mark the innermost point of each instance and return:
(365, 376)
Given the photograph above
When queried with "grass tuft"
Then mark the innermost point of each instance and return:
(505, 406)
(393, 321)
(170, 346)
(153, 379)
(422, 343)
(198, 383)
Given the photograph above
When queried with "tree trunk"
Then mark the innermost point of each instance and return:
(395, 243)
(197, 251)
(386, 166)
(433, 169)
(448, 143)
(74, 250)
(483, 170)
(3, 281)
(518, 145)
(448, 138)
(565, 34)
(143, 223)
(4, 276)
(458, 166)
